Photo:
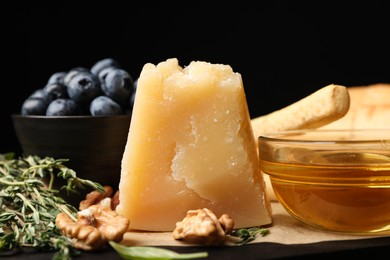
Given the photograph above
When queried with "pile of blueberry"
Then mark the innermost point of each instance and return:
(104, 89)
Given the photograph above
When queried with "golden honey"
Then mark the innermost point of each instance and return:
(335, 180)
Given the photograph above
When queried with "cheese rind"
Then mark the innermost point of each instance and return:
(190, 146)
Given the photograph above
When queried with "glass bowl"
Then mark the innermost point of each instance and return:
(335, 180)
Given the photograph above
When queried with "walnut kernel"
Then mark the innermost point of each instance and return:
(202, 226)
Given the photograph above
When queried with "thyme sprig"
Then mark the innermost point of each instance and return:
(29, 204)
(247, 235)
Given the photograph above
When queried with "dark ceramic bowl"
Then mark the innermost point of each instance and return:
(94, 145)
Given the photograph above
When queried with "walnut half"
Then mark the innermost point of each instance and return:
(94, 197)
(203, 226)
(86, 237)
(95, 226)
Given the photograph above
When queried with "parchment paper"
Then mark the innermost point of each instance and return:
(285, 230)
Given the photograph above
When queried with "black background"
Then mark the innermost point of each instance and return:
(284, 50)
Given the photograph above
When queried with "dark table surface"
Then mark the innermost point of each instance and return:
(374, 248)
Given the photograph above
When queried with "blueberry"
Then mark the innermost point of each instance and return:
(34, 106)
(56, 90)
(104, 63)
(84, 87)
(71, 73)
(41, 93)
(132, 99)
(118, 86)
(135, 84)
(62, 107)
(57, 77)
(103, 73)
(105, 106)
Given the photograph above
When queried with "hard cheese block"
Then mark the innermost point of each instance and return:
(190, 146)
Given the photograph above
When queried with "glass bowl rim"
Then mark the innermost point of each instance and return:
(282, 136)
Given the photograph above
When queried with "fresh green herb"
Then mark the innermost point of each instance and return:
(249, 234)
(155, 253)
(29, 204)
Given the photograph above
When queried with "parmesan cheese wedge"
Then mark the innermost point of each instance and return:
(190, 146)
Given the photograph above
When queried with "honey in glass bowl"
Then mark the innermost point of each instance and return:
(335, 180)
